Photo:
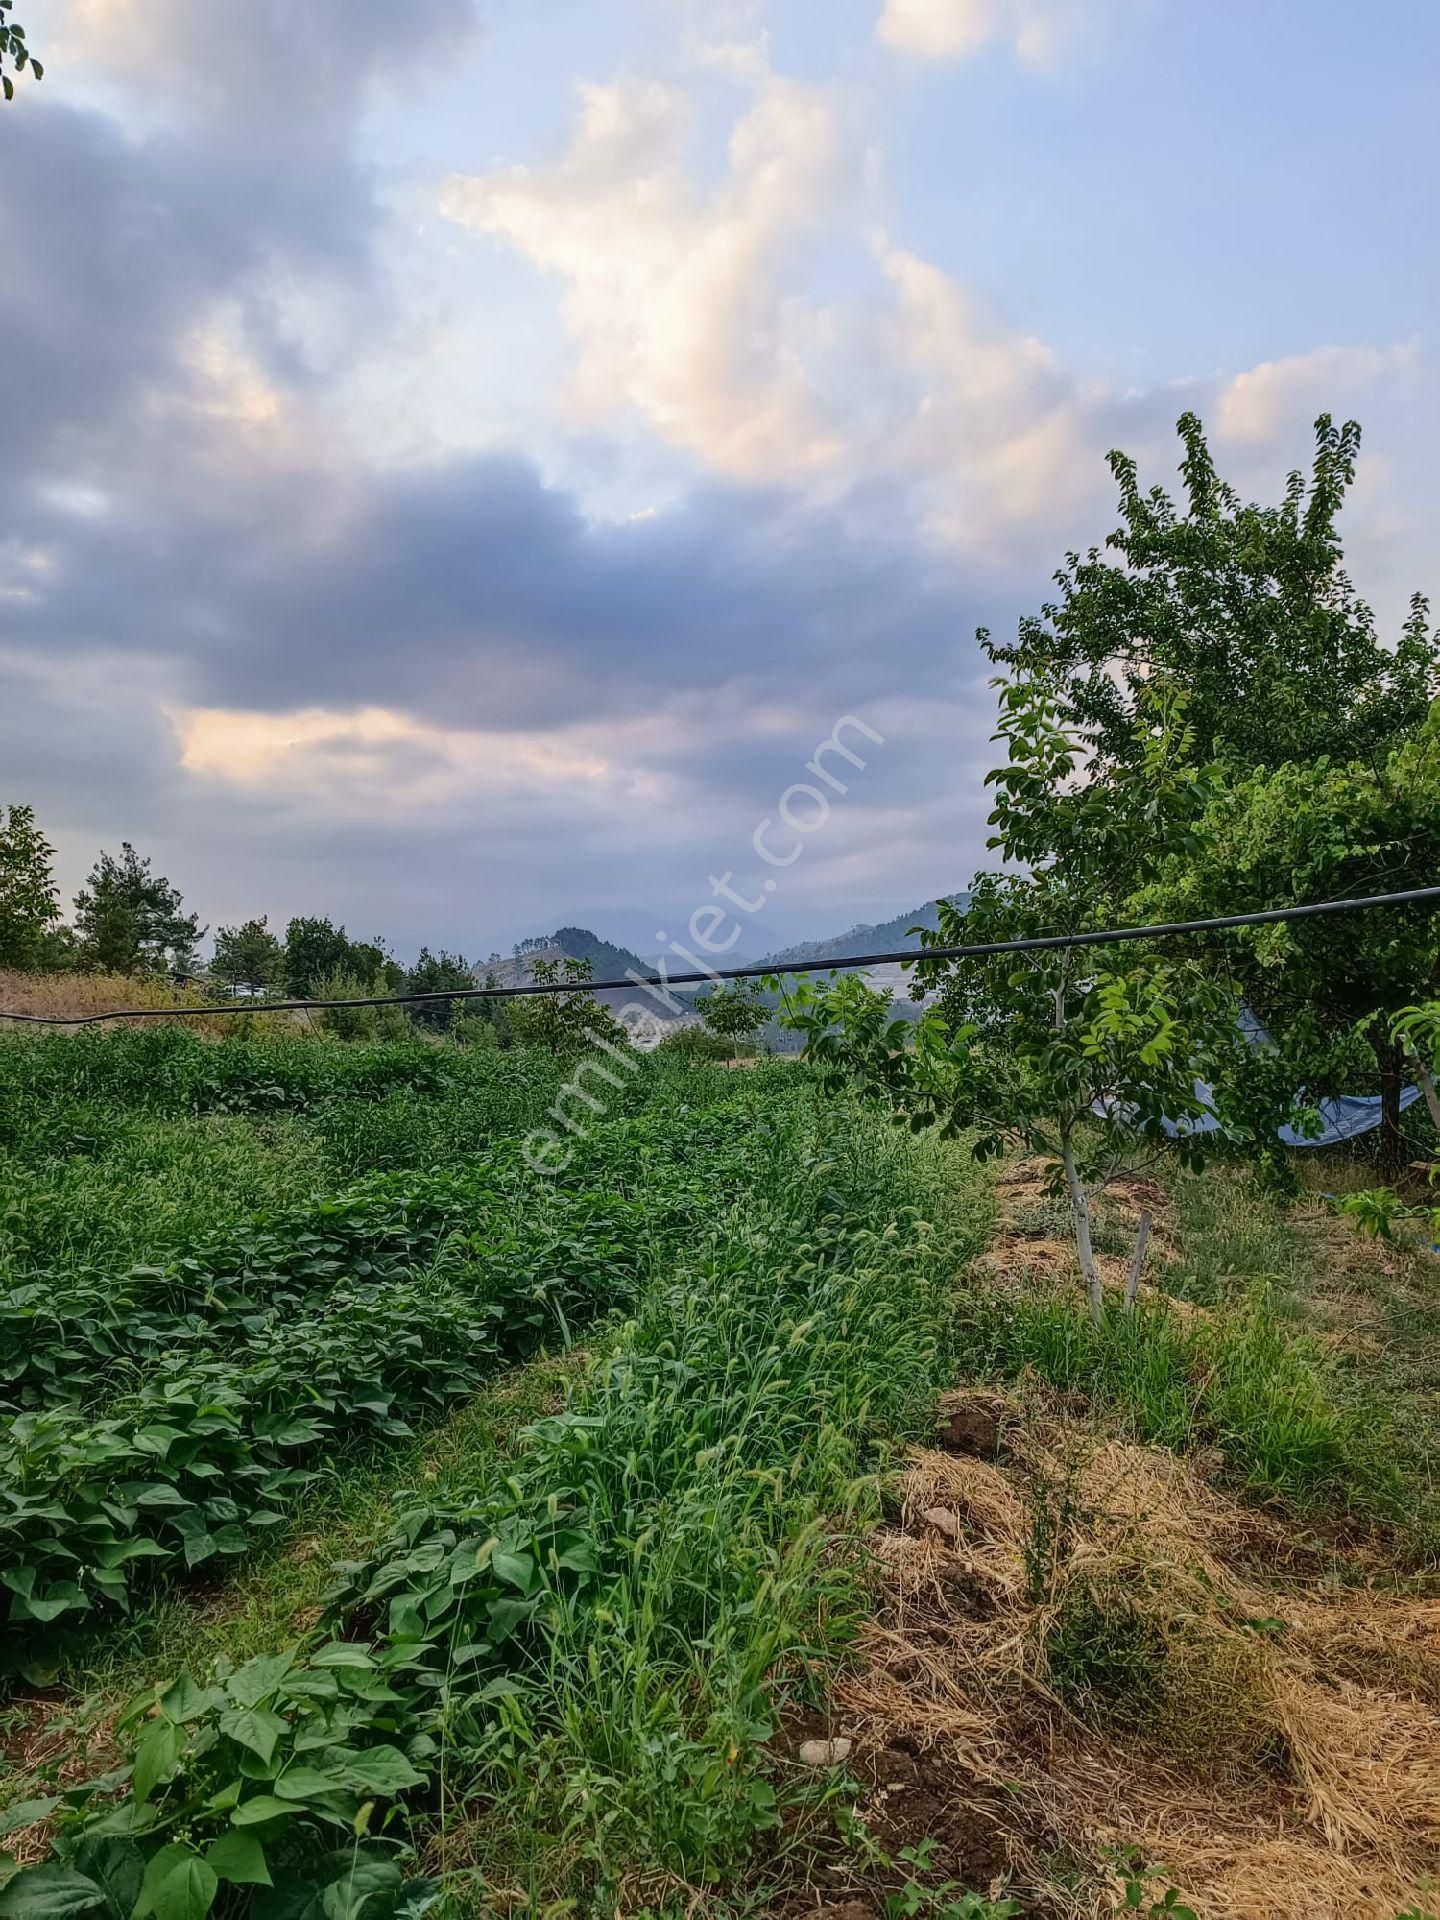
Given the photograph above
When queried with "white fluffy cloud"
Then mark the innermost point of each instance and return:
(998, 434)
(1279, 396)
(680, 302)
(1035, 30)
(686, 306)
(690, 308)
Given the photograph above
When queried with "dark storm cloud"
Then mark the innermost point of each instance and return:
(473, 595)
(116, 240)
(156, 555)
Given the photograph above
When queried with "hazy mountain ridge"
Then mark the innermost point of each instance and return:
(884, 936)
(613, 962)
(608, 962)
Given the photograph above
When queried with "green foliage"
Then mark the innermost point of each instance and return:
(1082, 1062)
(29, 904)
(130, 920)
(694, 1044)
(316, 950)
(1270, 1401)
(1379, 1211)
(1327, 988)
(1148, 1887)
(248, 956)
(736, 1011)
(1246, 608)
(588, 1634)
(564, 1023)
(1325, 780)
(939, 1900)
(435, 973)
(250, 1380)
(358, 1023)
(13, 48)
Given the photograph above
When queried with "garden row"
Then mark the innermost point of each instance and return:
(590, 1636)
(175, 1413)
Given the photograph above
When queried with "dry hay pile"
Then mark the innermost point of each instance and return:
(1080, 1644)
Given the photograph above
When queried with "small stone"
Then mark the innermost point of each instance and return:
(824, 1753)
(943, 1521)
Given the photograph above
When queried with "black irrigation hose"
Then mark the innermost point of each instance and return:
(907, 956)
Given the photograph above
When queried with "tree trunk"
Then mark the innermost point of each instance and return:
(1080, 1210)
(1425, 1080)
(1132, 1285)
(1391, 1062)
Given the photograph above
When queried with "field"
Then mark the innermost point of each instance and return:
(748, 1519)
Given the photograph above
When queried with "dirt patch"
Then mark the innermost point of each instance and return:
(1106, 1651)
(971, 1424)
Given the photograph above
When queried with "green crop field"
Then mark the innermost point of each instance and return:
(249, 1289)
(387, 1527)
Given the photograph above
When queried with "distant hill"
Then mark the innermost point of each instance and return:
(607, 961)
(885, 936)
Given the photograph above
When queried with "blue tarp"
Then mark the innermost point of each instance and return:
(1347, 1115)
(1344, 1117)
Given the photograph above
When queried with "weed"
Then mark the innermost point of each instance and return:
(947, 1900)
(1148, 1888)
(1106, 1657)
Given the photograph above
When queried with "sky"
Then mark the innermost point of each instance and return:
(462, 459)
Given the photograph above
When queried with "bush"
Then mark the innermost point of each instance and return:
(358, 1023)
(694, 1045)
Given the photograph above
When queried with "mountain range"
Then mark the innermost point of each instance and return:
(610, 961)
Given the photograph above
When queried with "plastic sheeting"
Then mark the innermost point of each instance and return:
(1344, 1117)
(1347, 1115)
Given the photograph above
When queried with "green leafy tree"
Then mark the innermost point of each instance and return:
(248, 956)
(313, 949)
(29, 904)
(131, 920)
(14, 49)
(568, 1022)
(373, 960)
(1417, 1029)
(735, 1012)
(1329, 989)
(437, 973)
(316, 949)
(1320, 734)
(358, 1023)
(1246, 608)
(1079, 1057)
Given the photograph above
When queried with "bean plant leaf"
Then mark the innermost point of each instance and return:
(117, 1866)
(254, 1727)
(49, 1893)
(259, 1678)
(24, 1813)
(239, 1859)
(382, 1770)
(157, 1758)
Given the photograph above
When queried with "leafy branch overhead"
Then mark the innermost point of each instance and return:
(14, 49)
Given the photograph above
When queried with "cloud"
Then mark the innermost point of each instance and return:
(1280, 396)
(682, 303)
(445, 694)
(687, 307)
(267, 68)
(997, 433)
(1035, 31)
